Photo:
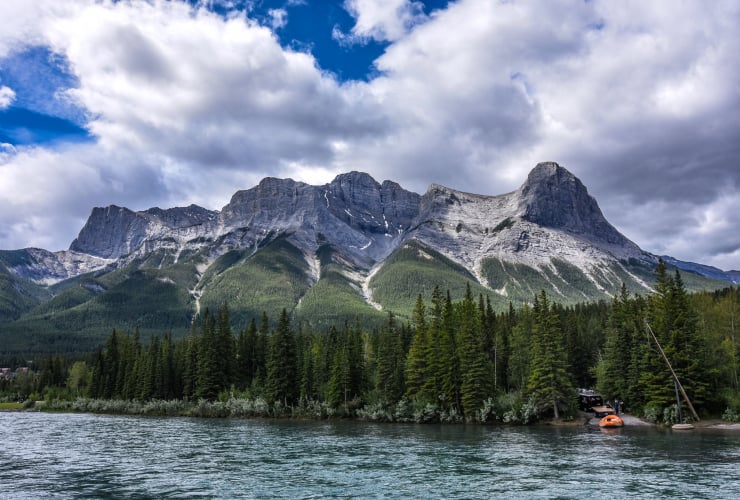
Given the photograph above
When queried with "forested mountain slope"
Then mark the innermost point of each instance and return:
(350, 249)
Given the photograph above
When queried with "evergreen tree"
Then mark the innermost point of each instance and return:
(549, 381)
(190, 364)
(110, 367)
(390, 361)
(208, 383)
(502, 349)
(475, 370)
(307, 378)
(340, 377)
(224, 347)
(674, 323)
(282, 381)
(449, 362)
(419, 358)
(434, 354)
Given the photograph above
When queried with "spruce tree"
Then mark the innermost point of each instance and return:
(207, 383)
(475, 369)
(449, 361)
(282, 381)
(549, 381)
(390, 363)
(419, 357)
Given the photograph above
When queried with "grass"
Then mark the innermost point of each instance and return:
(11, 406)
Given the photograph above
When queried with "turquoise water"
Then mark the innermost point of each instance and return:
(97, 456)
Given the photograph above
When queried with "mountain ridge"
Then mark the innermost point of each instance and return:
(341, 249)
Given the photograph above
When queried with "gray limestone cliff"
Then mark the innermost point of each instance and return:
(551, 215)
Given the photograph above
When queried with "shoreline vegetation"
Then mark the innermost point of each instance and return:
(238, 408)
(451, 362)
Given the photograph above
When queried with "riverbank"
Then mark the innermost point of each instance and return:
(633, 421)
(313, 410)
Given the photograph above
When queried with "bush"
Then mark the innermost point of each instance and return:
(517, 411)
(651, 413)
(404, 411)
(428, 414)
(375, 412)
(311, 408)
(487, 413)
(731, 415)
(450, 417)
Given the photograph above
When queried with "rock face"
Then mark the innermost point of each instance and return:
(551, 215)
(113, 232)
(355, 214)
(553, 197)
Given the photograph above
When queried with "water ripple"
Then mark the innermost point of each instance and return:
(94, 456)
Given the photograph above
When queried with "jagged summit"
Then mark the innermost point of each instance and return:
(333, 252)
(365, 220)
(553, 197)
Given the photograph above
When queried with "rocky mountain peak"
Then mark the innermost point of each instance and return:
(110, 232)
(555, 198)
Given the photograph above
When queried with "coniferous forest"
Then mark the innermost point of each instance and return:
(452, 362)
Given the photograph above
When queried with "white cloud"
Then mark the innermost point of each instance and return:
(278, 18)
(380, 20)
(636, 98)
(7, 96)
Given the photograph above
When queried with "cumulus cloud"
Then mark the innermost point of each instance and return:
(380, 20)
(637, 99)
(7, 96)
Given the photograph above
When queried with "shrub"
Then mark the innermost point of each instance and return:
(487, 413)
(651, 412)
(428, 414)
(731, 415)
(404, 411)
(375, 412)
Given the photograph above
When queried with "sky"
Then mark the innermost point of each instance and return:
(167, 103)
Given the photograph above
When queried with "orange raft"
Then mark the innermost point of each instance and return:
(611, 421)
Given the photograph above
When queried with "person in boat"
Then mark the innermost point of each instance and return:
(616, 406)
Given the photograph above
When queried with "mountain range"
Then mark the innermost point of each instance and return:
(350, 249)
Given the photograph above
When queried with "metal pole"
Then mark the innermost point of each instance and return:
(675, 378)
(678, 402)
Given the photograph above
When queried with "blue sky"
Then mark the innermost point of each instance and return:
(37, 75)
(167, 103)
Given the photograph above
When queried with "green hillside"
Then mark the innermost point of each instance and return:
(336, 298)
(160, 294)
(415, 269)
(274, 278)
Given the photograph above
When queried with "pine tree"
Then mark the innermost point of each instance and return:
(390, 363)
(208, 383)
(306, 377)
(475, 370)
(190, 364)
(449, 361)
(549, 381)
(340, 377)
(674, 323)
(419, 357)
(225, 352)
(617, 355)
(282, 381)
(433, 384)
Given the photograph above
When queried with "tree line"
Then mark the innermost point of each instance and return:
(452, 358)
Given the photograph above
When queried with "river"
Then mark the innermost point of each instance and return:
(101, 456)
